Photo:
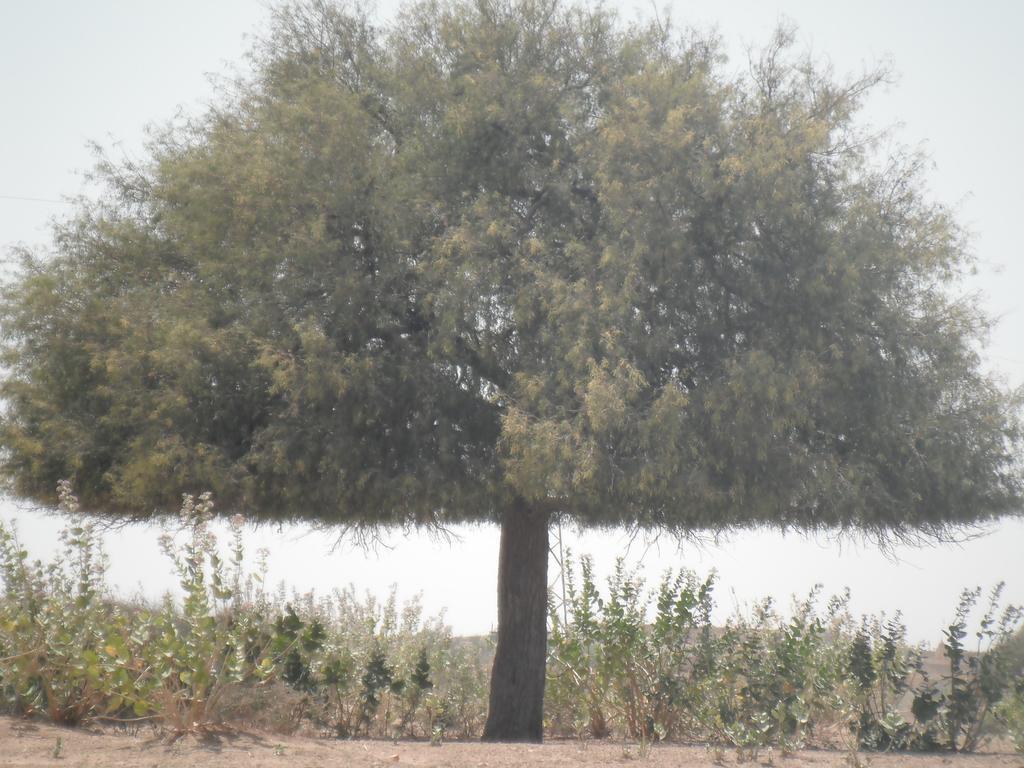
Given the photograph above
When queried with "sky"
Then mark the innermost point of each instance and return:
(77, 73)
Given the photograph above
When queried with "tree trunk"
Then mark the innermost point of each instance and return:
(516, 711)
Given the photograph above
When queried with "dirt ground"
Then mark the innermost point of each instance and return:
(26, 744)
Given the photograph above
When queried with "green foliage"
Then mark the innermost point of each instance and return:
(1011, 710)
(881, 665)
(610, 669)
(505, 252)
(63, 650)
(978, 678)
(783, 677)
(628, 661)
(367, 669)
(1011, 713)
(509, 256)
(196, 654)
(576, 688)
(71, 653)
(651, 666)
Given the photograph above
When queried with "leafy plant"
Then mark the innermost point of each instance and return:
(576, 688)
(637, 663)
(609, 664)
(416, 690)
(195, 655)
(369, 668)
(1011, 713)
(62, 650)
(977, 679)
(880, 664)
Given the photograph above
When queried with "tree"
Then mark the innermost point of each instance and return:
(512, 261)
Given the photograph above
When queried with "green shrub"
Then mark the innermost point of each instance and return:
(780, 676)
(1011, 713)
(978, 679)
(371, 669)
(884, 671)
(610, 669)
(649, 665)
(194, 653)
(637, 663)
(63, 648)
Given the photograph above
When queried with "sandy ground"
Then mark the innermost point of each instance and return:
(26, 744)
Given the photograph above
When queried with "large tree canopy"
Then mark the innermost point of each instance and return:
(503, 261)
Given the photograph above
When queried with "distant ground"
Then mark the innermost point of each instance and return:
(25, 744)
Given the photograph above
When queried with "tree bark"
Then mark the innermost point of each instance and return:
(516, 710)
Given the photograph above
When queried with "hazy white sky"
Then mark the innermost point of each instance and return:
(75, 72)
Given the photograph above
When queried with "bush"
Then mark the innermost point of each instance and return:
(368, 669)
(609, 666)
(650, 665)
(980, 678)
(63, 647)
(68, 651)
(194, 654)
(636, 663)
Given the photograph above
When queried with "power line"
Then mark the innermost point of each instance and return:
(35, 199)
